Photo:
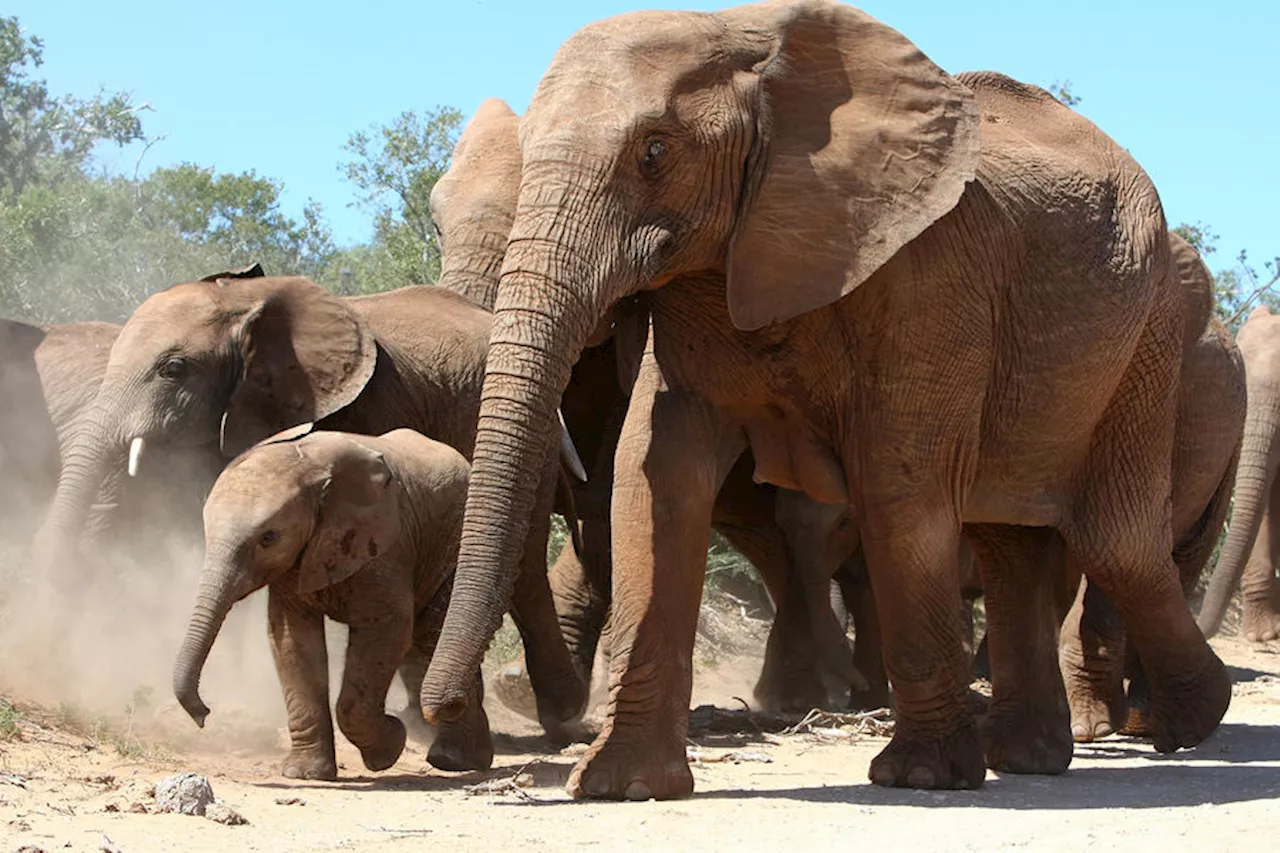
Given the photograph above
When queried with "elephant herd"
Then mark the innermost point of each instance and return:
(904, 335)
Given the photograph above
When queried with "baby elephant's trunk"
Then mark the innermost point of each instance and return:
(212, 605)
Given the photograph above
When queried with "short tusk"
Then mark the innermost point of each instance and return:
(135, 455)
(568, 453)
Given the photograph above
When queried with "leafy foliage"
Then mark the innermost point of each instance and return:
(395, 167)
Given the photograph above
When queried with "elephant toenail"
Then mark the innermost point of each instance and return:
(596, 784)
(922, 777)
(1079, 733)
(883, 775)
(638, 791)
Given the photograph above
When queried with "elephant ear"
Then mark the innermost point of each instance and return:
(254, 270)
(862, 144)
(306, 354)
(357, 519)
(1196, 284)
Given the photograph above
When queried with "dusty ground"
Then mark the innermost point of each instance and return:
(65, 790)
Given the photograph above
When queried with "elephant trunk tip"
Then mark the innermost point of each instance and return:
(447, 711)
(191, 702)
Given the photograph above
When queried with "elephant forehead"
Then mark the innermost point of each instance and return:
(258, 485)
(633, 63)
(173, 316)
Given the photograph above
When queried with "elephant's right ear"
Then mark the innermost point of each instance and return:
(357, 520)
(861, 144)
(254, 270)
(306, 354)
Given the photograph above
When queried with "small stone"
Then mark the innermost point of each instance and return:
(185, 793)
(290, 801)
(222, 813)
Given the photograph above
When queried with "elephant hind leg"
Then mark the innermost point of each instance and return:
(1027, 726)
(1092, 658)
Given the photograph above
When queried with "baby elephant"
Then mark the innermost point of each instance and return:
(363, 530)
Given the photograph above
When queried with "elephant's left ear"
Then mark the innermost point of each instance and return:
(862, 143)
(306, 354)
(357, 520)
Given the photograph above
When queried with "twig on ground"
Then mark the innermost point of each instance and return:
(515, 784)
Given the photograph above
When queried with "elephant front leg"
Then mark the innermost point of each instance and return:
(911, 551)
(465, 743)
(375, 650)
(666, 479)
(559, 692)
(1027, 726)
(854, 590)
(302, 664)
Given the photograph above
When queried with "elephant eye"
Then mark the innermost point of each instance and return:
(269, 538)
(172, 368)
(654, 151)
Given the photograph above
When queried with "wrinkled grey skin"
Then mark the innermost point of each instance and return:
(362, 530)
(946, 301)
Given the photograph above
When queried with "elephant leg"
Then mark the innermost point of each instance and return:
(911, 552)
(1258, 584)
(667, 474)
(1091, 657)
(412, 670)
(465, 743)
(1118, 533)
(559, 691)
(1138, 721)
(1027, 728)
(302, 664)
(868, 655)
(790, 679)
(375, 649)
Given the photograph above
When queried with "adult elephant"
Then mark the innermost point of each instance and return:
(50, 378)
(231, 359)
(1249, 556)
(941, 300)
(473, 205)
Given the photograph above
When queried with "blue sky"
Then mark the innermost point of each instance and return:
(277, 87)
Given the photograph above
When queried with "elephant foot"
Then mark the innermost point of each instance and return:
(464, 744)
(1262, 620)
(642, 768)
(387, 750)
(1023, 740)
(795, 693)
(952, 761)
(1138, 723)
(317, 764)
(514, 690)
(1185, 710)
(1097, 700)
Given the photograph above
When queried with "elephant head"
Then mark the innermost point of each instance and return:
(225, 361)
(1259, 342)
(785, 149)
(474, 203)
(319, 506)
(28, 435)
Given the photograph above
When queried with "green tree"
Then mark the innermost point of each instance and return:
(44, 139)
(394, 167)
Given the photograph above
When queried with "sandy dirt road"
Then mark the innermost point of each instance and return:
(65, 791)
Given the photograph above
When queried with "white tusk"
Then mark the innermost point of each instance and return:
(135, 455)
(568, 453)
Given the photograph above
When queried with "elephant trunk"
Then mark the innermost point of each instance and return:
(219, 590)
(539, 328)
(1254, 479)
(85, 465)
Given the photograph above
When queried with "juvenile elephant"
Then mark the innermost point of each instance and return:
(1252, 551)
(946, 301)
(473, 205)
(229, 360)
(49, 379)
(363, 530)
